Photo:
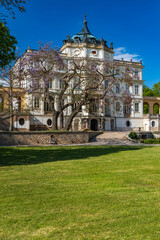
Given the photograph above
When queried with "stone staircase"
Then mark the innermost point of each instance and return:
(113, 138)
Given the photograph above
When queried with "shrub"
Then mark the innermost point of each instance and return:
(152, 141)
(133, 135)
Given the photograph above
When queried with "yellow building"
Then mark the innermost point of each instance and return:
(12, 102)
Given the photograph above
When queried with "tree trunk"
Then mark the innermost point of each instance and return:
(11, 112)
(11, 122)
(55, 121)
(70, 119)
(61, 120)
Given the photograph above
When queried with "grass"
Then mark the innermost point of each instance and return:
(102, 192)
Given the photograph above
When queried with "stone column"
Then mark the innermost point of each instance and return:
(151, 107)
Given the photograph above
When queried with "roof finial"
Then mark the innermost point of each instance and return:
(85, 18)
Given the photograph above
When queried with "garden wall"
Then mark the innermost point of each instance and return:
(45, 138)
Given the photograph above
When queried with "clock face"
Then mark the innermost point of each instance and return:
(76, 52)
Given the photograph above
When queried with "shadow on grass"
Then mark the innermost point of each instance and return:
(10, 156)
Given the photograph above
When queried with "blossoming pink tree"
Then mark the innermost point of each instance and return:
(82, 81)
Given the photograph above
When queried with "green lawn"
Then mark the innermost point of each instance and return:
(91, 192)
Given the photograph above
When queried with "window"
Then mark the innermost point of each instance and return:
(56, 83)
(107, 107)
(153, 123)
(46, 106)
(136, 73)
(127, 88)
(118, 106)
(49, 122)
(21, 121)
(136, 89)
(94, 52)
(127, 110)
(128, 123)
(50, 84)
(75, 105)
(118, 88)
(136, 107)
(60, 84)
(76, 83)
(95, 108)
(36, 102)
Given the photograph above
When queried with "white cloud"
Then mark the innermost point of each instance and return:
(121, 52)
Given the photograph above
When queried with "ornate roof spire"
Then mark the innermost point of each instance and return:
(85, 29)
(85, 36)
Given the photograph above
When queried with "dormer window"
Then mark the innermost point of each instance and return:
(77, 39)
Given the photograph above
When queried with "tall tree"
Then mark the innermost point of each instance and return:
(7, 46)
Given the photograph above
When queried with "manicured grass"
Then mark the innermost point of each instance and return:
(102, 192)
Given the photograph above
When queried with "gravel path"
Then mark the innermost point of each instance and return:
(112, 138)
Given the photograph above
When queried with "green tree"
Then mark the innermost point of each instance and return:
(147, 91)
(156, 89)
(7, 46)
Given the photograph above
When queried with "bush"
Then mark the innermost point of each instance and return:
(152, 141)
(133, 135)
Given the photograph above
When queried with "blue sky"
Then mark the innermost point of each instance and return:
(133, 26)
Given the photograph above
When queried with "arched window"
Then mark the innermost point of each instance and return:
(127, 109)
(156, 108)
(153, 123)
(145, 108)
(21, 121)
(95, 108)
(118, 106)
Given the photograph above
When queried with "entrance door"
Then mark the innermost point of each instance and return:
(112, 124)
(94, 125)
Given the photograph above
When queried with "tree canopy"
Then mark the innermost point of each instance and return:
(7, 46)
(154, 91)
(9, 6)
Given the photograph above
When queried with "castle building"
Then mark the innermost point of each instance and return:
(108, 117)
